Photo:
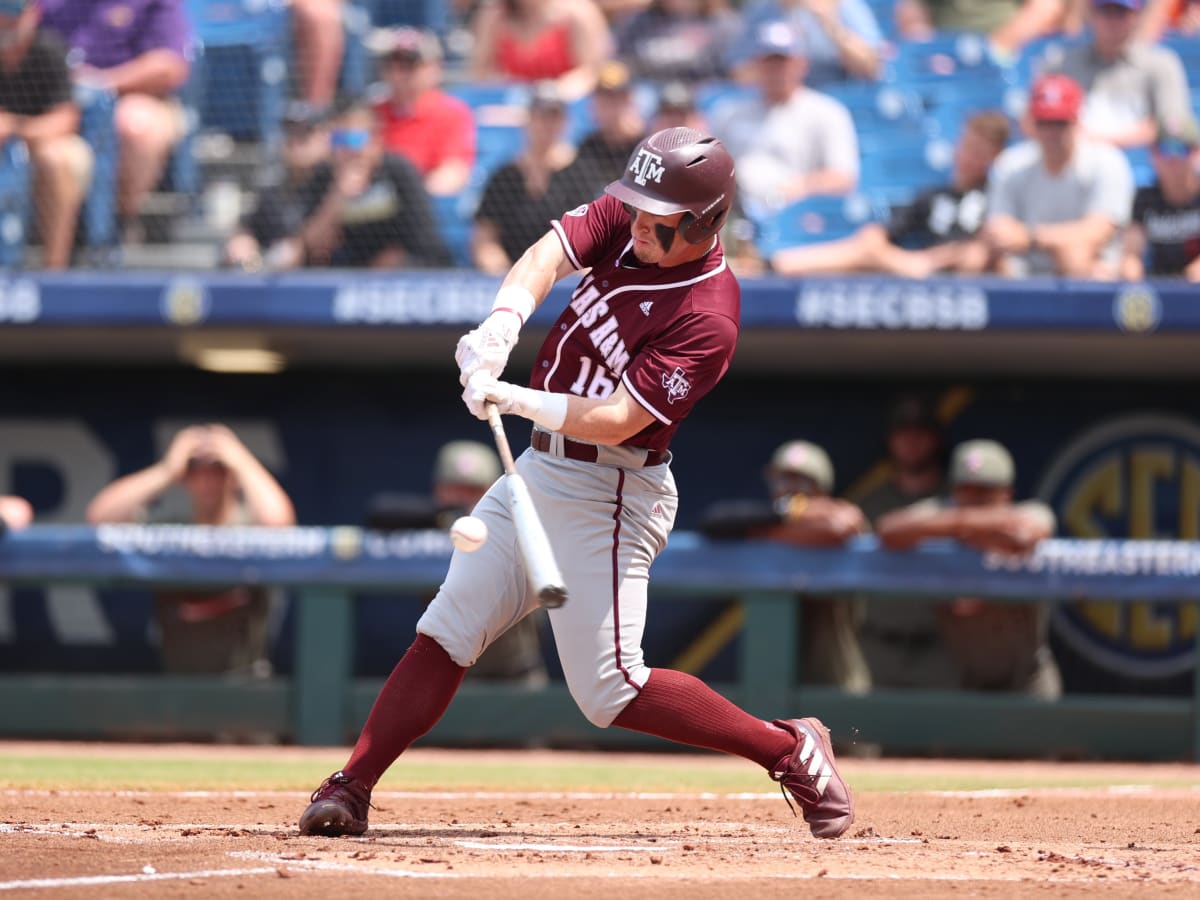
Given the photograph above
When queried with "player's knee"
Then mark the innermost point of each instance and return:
(601, 697)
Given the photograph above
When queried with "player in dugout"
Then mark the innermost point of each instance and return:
(649, 331)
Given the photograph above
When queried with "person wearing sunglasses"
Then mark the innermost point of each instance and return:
(368, 208)
(1164, 237)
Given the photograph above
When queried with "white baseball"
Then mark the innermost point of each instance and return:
(468, 534)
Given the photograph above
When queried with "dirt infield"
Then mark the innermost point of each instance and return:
(1134, 836)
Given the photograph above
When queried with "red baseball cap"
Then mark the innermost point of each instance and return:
(1055, 98)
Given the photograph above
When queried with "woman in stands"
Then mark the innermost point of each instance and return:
(533, 40)
(689, 40)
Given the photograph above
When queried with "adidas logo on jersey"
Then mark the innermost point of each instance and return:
(656, 511)
(644, 306)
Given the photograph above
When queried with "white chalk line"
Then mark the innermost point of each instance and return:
(98, 880)
(987, 793)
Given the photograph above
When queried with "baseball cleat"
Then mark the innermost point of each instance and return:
(339, 806)
(810, 775)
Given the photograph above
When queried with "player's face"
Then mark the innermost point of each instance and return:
(913, 446)
(981, 495)
(972, 158)
(648, 232)
(207, 484)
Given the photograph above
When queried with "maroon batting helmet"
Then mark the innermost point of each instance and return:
(680, 170)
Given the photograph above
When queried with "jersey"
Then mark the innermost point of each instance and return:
(937, 215)
(1172, 232)
(666, 334)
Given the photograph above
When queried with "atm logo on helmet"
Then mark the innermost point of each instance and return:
(647, 166)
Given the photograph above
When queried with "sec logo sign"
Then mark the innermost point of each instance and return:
(1136, 477)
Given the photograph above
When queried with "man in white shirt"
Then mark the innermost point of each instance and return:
(1057, 203)
(790, 141)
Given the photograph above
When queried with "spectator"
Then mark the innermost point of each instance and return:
(791, 141)
(605, 150)
(676, 108)
(320, 44)
(431, 129)
(689, 40)
(141, 50)
(1057, 203)
(367, 207)
(37, 106)
(841, 37)
(15, 513)
(1129, 85)
(1009, 24)
(995, 646)
(522, 197)
(219, 631)
(532, 40)
(267, 237)
(937, 232)
(1165, 16)
(1166, 215)
(899, 636)
(801, 512)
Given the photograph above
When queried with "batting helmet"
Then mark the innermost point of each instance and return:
(680, 170)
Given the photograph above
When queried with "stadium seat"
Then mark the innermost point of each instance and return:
(241, 75)
(431, 14)
(1143, 168)
(883, 114)
(454, 218)
(15, 202)
(949, 66)
(812, 220)
(98, 217)
(905, 167)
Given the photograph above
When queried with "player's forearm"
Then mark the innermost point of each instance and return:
(903, 530)
(122, 500)
(538, 268)
(611, 421)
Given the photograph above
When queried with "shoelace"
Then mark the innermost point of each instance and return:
(338, 780)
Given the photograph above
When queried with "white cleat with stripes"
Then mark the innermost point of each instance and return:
(810, 775)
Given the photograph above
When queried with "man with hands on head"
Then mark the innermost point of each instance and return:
(648, 331)
(220, 630)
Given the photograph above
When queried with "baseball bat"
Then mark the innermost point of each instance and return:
(544, 576)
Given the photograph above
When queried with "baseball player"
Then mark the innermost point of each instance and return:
(649, 330)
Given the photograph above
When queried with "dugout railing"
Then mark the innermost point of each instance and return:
(322, 703)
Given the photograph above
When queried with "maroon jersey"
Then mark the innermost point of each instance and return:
(667, 334)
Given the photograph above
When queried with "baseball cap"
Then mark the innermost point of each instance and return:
(1055, 98)
(546, 95)
(777, 38)
(413, 44)
(1177, 138)
(981, 462)
(676, 96)
(805, 459)
(614, 78)
(466, 462)
(301, 113)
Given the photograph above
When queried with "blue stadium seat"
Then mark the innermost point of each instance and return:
(905, 167)
(949, 66)
(812, 220)
(1143, 168)
(883, 114)
(98, 218)
(454, 223)
(431, 14)
(15, 203)
(242, 75)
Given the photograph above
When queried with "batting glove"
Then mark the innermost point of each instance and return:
(545, 409)
(486, 348)
(483, 388)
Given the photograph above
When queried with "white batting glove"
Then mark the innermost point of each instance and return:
(486, 348)
(483, 388)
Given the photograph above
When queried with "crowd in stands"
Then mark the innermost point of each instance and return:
(904, 136)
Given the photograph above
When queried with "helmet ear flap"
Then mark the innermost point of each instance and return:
(696, 230)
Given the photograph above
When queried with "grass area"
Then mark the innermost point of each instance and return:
(142, 769)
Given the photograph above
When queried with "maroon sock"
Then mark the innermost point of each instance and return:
(682, 708)
(413, 698)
